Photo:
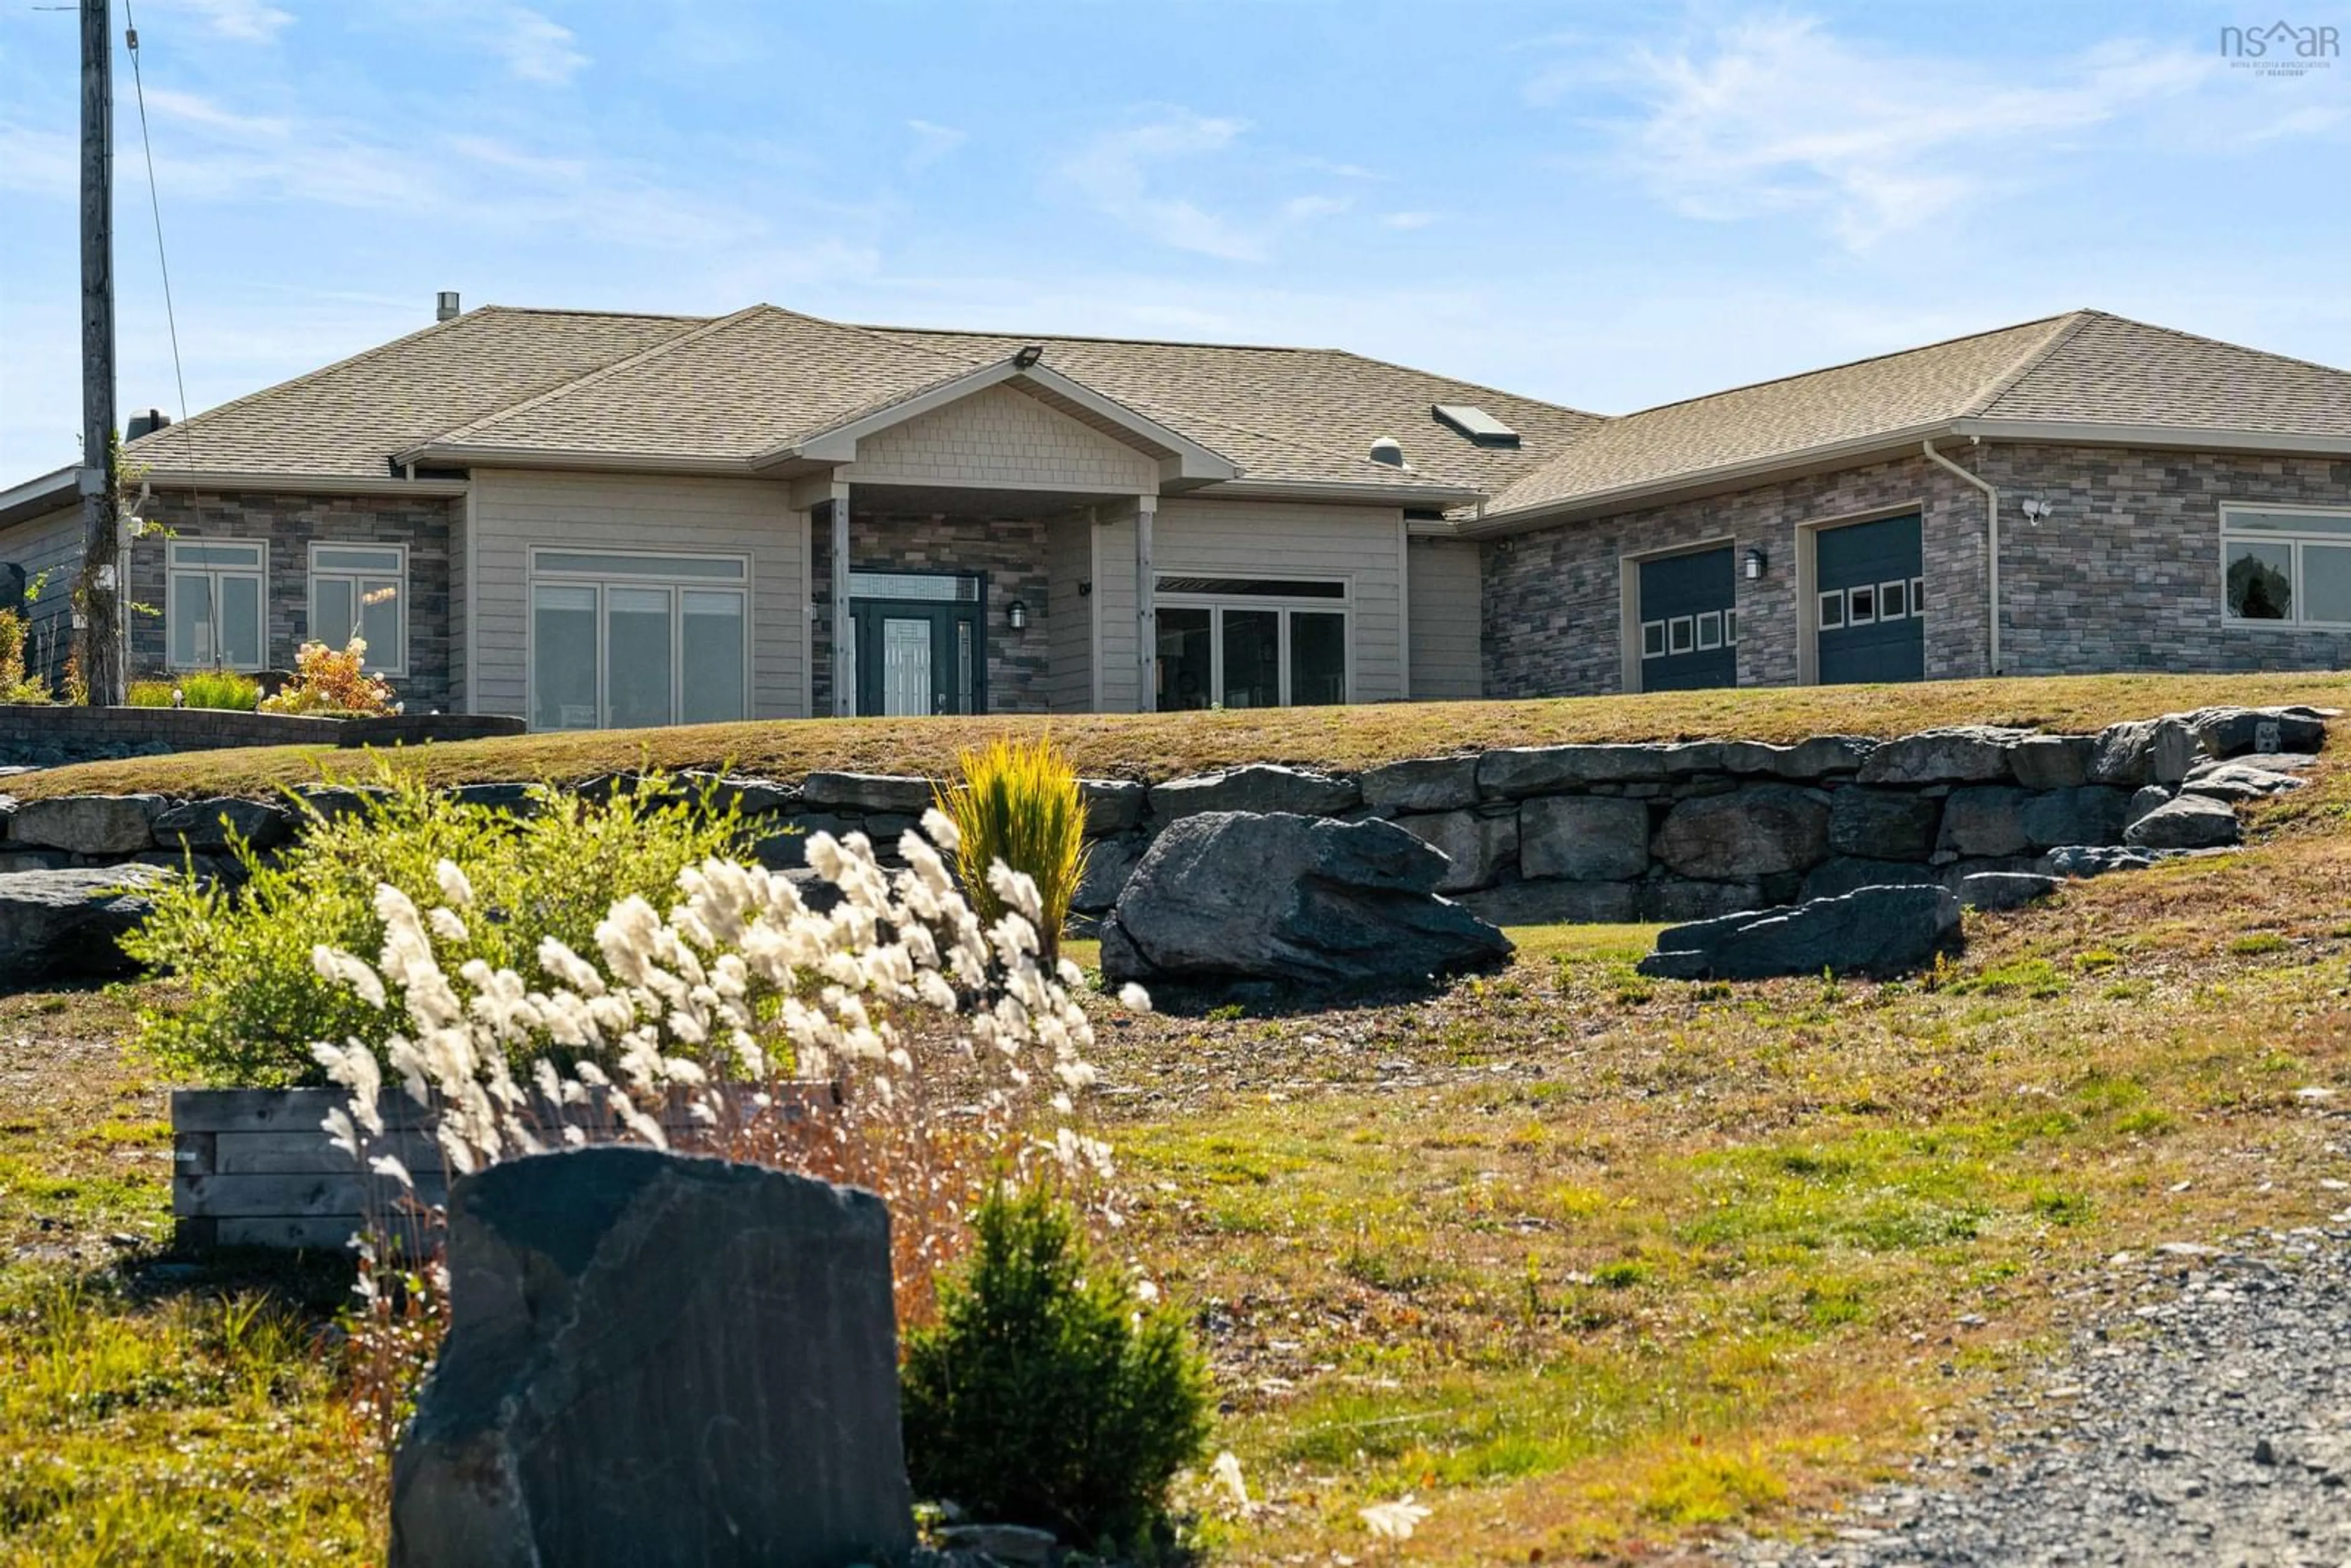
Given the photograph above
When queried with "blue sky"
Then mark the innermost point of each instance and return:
(1609, 205)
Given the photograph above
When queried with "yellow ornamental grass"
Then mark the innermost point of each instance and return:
(1019, 803)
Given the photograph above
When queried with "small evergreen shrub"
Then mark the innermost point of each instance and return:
(224, 689)
(248, 1003)
(1044, 1396)
(1019, 803)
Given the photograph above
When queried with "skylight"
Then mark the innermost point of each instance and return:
(1476, 424)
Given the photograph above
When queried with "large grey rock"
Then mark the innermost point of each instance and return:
(1521, 771)
(1882, 824)
(1421, 784)
(1280, 896)
(1558, 904)
(1587, 838)
(1876, 931)
(2001, 890)
(2239, 781)
(1834, 878)
(33, 859)
(890, 792)
(653, 1359)
(1680, 898)
(1984, 820)
(87, 824)
(1480, 846)
(2051, 761)
(62, 925)
(512, 797)
(329, 801)
(2232, 731)
(2145, 799)
(1109, 863)
(1112, 805)
(2144, 751)
(1259, 787)
(1752, 832)
(2188, 823)
(2086, 814)
(1807, 761)
(207, 825)
(2097, 860)
(751, 796)
(1969, 754)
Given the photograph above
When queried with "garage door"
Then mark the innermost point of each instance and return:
(1690, 624)
(1871, 584)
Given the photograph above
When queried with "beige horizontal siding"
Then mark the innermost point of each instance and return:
(1445, 620)
(515, 510)
(1070, 614)
(999, 436)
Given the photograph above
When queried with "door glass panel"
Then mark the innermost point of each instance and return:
(905, 668)
(192, 621)
(2261, 580)
(1252, 658)
(1185, 677)
(380, 622)
(1318, 658)
(2325, 583)
(963, 665)
(240, 622)
(637, 680)
(331, 611)
(712, 642)
(563, 658)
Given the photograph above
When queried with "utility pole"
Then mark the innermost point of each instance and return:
(97, 608)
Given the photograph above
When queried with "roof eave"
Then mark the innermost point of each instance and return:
(33, 497)
(1367, 493)
(456, 455)
(2084, 433)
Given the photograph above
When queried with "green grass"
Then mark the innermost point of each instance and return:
(1162, 746)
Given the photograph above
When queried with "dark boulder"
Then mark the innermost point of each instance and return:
(2188, 823)
(62, 925)
(206, 826)
(1749, 832)
(1882, 824)
(1873, 931)
(2000, 890)
(1259, 787)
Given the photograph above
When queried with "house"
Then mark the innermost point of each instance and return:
(598, 519)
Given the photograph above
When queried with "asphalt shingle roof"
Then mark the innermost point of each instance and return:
(2107, 369)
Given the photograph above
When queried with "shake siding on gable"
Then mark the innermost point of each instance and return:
(515, 509)
(999, 436)
(1445, 620)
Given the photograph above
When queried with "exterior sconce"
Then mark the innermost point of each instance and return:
(1755, 563)
(2035, 512)
(1016, 615)
(1085, 588)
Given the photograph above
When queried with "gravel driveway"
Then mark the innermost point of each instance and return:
(2205, 1419)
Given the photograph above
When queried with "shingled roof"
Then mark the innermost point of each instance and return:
(2086, 375)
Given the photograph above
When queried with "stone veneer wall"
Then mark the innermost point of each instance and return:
(1011, 551)
(289, 524)
(32, 736)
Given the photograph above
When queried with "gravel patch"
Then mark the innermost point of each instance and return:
(2204, 1417)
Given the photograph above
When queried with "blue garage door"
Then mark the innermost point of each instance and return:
(1690, 623)
(1871, 583)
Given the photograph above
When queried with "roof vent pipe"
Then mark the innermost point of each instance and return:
(1388, 449)
(444, 308)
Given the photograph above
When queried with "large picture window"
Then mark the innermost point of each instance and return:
(214, 598)
(620, 640)
(2290, 566)
(1243, 643)
(362, 591)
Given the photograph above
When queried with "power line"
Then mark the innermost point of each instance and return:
(155, 205)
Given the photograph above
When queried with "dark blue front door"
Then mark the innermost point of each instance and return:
(1690, 622)
(1871, 583)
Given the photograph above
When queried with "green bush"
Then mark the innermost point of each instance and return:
(148, 693)
(16, 684)
(1019, 803)
(248, 1004)
(1041, 1397)
(200, 688)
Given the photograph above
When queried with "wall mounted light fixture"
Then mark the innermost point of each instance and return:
(2035, 512)
(1757, 561)
(1016, 615)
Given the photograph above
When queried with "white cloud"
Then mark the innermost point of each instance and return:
(537, 48)
(1115, 174)
(254, 21)
(1779, 114)
(1407, 220)
(1305, 209)
(932, 143)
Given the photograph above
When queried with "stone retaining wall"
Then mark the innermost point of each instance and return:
(40, 736)
(1537, 834)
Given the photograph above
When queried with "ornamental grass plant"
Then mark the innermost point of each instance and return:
(225, 690)
(1019, 804)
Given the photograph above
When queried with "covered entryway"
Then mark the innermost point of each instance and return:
(1690, 622)
(919, 641)
(1870, 586)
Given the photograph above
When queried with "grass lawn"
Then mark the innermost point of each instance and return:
(1591, 1264)
(1163, 745)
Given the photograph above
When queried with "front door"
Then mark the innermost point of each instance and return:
(1868, 614)
(1690, 622)
(923, 655)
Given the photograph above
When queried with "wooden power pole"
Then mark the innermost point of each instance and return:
(99, 596)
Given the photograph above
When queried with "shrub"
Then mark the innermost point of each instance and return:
(222, 689)
(249, 1003)
(329, 682)
(1043, 1396)
(15, 685)
(1019, 803)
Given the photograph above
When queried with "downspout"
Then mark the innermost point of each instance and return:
(1992, 539)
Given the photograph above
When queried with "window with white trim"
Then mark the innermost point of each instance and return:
(621, 640)
(216, 605)
(2289, 566)
(1240, 642)
(362, 591)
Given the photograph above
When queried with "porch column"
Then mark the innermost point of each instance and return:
(1146, 630)
(844, 669)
